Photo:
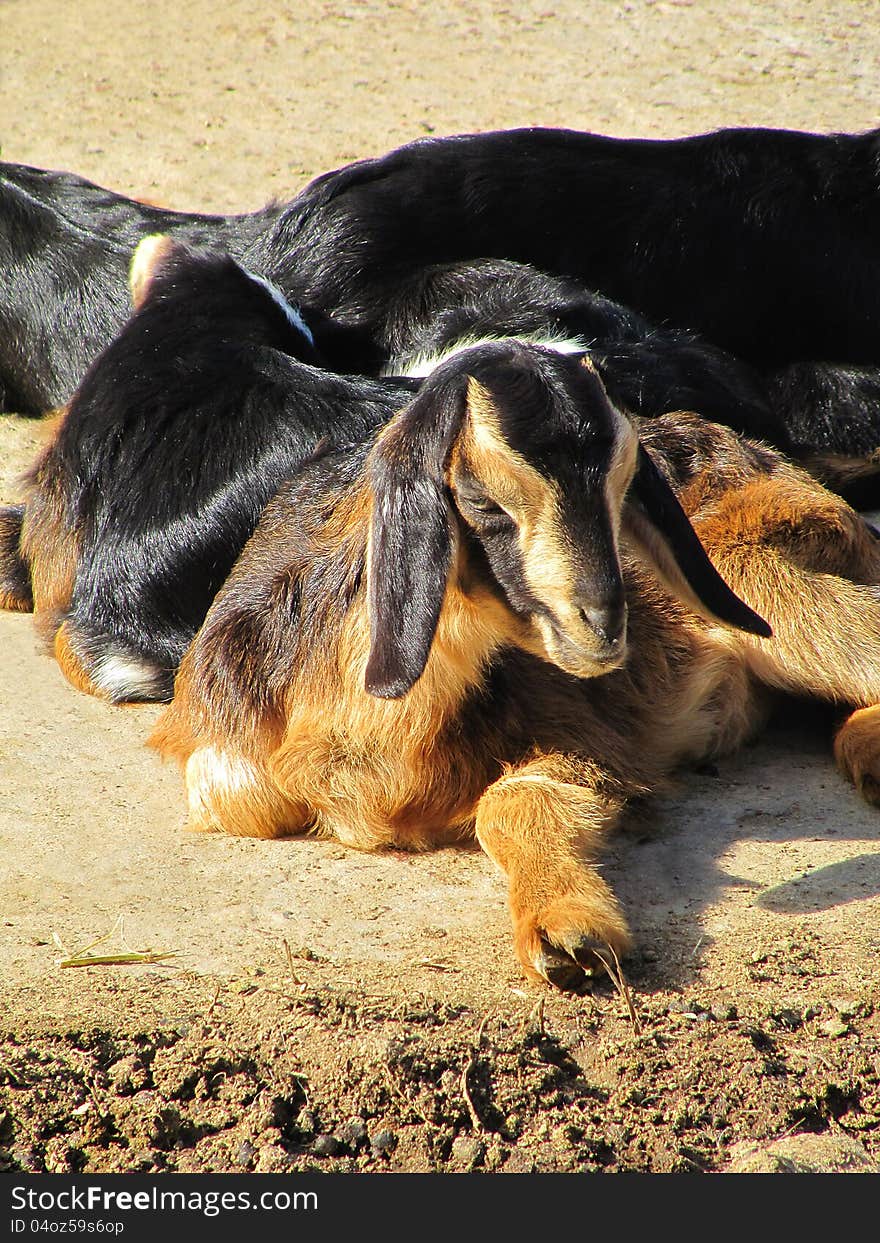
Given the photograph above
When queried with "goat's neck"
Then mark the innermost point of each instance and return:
(474, 623)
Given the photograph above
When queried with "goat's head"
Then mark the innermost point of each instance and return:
(211, 287)
(512, 466)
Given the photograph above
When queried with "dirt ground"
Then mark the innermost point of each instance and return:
(332, 1011)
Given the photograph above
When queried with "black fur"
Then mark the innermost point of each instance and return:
(765, 242)
(65, 249)
(15, 583)
(66, 246)
(646, 370)
(411, 536)
(652, 494)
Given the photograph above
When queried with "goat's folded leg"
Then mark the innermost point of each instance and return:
(809, 564)
(857, 751)
(543, 823)
(227, 791)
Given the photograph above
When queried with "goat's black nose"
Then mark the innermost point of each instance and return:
(607, 620)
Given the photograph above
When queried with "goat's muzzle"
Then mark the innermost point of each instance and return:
(593, 644)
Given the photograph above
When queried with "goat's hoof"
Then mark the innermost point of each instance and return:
(570, 943)
(558, 969)
(572, 969)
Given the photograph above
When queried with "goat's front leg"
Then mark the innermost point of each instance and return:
(543, 823)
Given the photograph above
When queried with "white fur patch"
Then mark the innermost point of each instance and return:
(212, 774)
(294, 317)
(124, 677)
(417, 366)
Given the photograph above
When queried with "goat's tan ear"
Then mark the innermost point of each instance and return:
(411, 536)
(655, 522)
(149, 256)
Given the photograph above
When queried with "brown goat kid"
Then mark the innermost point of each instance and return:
(495, 620)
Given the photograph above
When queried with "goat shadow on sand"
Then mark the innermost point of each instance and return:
(769, 842)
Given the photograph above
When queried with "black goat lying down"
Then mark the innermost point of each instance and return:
(189, 421)
(763, 242)
(491, 621)
(65, 251)
(647, 370)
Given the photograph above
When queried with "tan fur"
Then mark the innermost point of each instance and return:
(857, 751)
(541, 770)
(838, 472)
(531, 498)
(376, 777)
(534, 501)
(49, 545)
(71, 665)
(12, 602)
(348, 764)
(806, 561)
(46, 546)
(148, 256)
(543, 825)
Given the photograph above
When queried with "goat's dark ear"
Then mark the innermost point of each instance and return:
(657, 524)
(149, 256)
(411, 536)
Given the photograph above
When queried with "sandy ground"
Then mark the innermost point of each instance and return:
(754, 891)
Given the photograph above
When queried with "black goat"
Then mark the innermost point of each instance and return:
(763, 242)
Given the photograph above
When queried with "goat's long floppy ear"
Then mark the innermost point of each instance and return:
(150, 254)
(410, 551)
(656, 522)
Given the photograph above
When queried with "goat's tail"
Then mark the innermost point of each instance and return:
(15, 579)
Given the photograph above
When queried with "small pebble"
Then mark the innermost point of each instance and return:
(326, 1146)
(273, 1159)
(834, 1028)
(467, 1152)
(790, 1019)
(306, 1122)
(685, 1005)
(127, 1076)
(382, 1142)
(723, 1013)
(353, 1132)
(847, 1008)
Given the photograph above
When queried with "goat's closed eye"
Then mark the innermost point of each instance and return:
(482, 505)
